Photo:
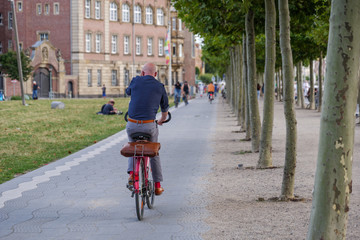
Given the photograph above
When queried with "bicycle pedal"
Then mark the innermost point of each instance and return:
(130, 187)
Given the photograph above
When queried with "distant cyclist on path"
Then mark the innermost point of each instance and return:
(147, 94)
(211, 90)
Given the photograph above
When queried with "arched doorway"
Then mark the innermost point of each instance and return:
(70, 89)
(42, 78)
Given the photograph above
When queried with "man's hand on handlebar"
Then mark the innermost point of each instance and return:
(163, 118)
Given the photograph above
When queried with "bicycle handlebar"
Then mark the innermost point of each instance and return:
(167, 120)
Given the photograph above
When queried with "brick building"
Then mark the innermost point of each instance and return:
(199, 63)
(182, 50)
(77, 46)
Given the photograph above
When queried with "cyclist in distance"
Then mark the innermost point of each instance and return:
(147, 94)
(211, 90)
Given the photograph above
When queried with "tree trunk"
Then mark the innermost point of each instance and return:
(232, 80)
(228, 86)
(287, 190)
(245, 83)
(333, 181)
(300, 86)
(234, 83)
(277, 85)
(320, 84)
(298, 89)
(281, 79)
(265, 158)
(253, 101)
(312, 95)
(239, 84)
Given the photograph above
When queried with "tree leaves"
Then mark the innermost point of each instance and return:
(9, 65)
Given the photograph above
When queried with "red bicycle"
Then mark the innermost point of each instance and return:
(143, 187)
(211, 97)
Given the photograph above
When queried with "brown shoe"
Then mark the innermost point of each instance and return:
(131, 180)
(158, 191)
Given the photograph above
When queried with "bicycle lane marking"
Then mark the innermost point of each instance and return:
(32, 184)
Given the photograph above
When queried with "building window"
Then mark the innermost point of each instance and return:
(114, 44)
(138, 45)
(88, 42)
(89, 73)
(161, 47)
(114, 78)
(174, 23)
(1, 19)
(113, 12)
(47, 9)
(43, 36)
(10, 46)
(20, 46)
(87, 8)
(149, 15)
(125, 13)
(56, 8)
(0, 47)
(10, 20)
(97, 10)
(160, 17)
(174, 49)
(180, 25)
(38, 9)
(99, 77)
(137, 14)
(19, 6)
(150, 46)
(180, 50)
(98, 43)
(126, 44)
(126, 77)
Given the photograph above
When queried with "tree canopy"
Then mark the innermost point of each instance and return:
(8, 65)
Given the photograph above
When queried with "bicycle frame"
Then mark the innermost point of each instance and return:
(136, 171)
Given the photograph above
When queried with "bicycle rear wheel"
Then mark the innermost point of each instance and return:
(140, 194)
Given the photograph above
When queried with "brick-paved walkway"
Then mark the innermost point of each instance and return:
(83, 196)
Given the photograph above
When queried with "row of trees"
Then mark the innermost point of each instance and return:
(232, 30)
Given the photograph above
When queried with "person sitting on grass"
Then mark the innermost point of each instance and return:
(108, 109)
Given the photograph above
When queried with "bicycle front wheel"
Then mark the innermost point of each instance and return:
(140, 194)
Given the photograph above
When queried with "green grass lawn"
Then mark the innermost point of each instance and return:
(35, 135)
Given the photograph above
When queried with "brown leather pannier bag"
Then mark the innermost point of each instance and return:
(141, 148)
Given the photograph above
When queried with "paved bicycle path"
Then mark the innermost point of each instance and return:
(83, 196)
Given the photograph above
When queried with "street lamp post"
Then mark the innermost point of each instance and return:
(18, 53)
(50, 93)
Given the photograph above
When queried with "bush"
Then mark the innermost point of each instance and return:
(15, 98)
(197, 71)
(206, 78)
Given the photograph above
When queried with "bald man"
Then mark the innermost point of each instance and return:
(147, 94)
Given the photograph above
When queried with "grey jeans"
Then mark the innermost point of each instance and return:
(152, 129)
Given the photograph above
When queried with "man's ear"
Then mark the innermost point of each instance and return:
(142, 73)
(155, 74)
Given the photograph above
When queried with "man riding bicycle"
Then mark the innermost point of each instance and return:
(147, 94)
(211, 90)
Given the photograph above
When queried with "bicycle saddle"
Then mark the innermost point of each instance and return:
(140, 136)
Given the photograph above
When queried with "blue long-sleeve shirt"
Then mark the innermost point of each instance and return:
(147, 94)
